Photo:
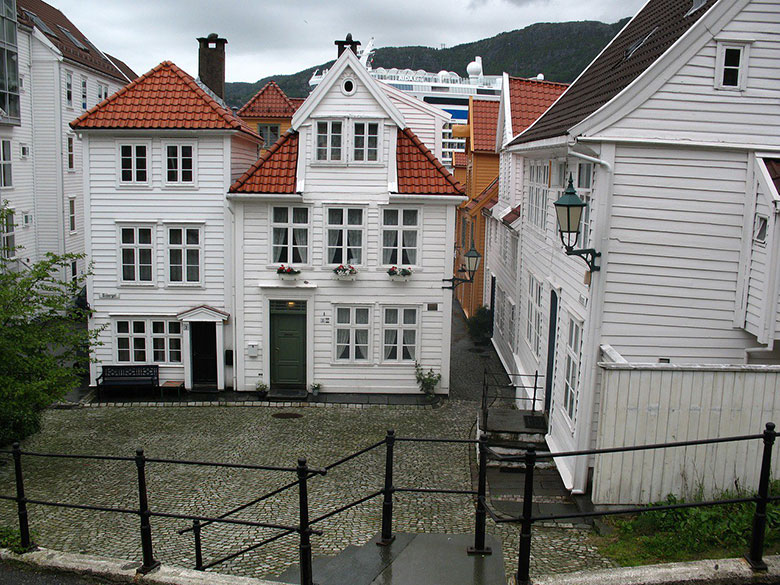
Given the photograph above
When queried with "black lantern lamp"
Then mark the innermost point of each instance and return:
(472, 259)
(568, 210)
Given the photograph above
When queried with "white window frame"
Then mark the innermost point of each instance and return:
(134, 182)
(136, 246)
(585, 171)
(760, 224)
(329, 148)
(70, 152)
(184, 247)
(538, 191)
(84, 93)
(102, 91)
(366, 148)
(74, 269)
(69, 89)
(8, 235)
(742, 70)
(6, 165)
(400, 229)
(353, 327)
(345, 228)
(72, 215)
(179, 158)
(264, 129)
(172, 340)
(290, 226)
(534, 315)
(400, 327)
(571, 367)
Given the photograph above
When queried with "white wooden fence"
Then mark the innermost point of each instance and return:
(659, 403)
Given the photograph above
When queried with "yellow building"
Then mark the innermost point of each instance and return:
(270, 112)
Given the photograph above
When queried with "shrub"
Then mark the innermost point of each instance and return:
(480, 324)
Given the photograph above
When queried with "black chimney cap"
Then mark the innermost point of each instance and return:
(348, 42)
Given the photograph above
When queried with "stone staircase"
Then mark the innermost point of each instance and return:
(411, 559)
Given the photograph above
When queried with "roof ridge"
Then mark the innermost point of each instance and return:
(430, 156)
(263, 158)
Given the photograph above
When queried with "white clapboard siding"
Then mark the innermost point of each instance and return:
(670, 288)
(643, 404)
(677, 111)
(243, 154)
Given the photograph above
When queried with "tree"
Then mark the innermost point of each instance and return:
(45, 341)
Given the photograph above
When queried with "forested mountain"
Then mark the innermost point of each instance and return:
(560, 50)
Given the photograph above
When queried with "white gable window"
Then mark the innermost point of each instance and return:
(329, 140)
(141, 341)
(399, 334)
(571, 372)
(6, 177)
(731, 66)
(538, 187)
(352, 334)
(136, 254)
(366, 142)
(400, 236)
(179, 167)
(133, 164)
(290, 235)
(69, 89)
(760, 228)
(533, 330)
(184, 255)
(269, 132)
(345, 235)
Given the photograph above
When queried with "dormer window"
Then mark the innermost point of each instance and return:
(366, 141)
(731, 66)
(329, 139)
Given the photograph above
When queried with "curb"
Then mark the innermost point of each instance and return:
(257, 404)
(712, 572)
(121, 571)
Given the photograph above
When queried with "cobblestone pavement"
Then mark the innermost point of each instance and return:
(253, 435)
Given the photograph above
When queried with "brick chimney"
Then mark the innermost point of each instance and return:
(211, 63)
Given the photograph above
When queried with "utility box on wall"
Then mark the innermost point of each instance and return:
(252, 349)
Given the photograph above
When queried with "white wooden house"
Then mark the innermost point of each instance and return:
(349, 184)
(54, 74)
(670, 135)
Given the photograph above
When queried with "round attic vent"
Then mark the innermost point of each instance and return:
(348, 86)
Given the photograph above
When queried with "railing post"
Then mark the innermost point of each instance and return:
(21, 501)
(304, 549)
(149, 563)
(198, 549)
(756, 554)
(483, 409)
(387, 501)
(536, 381)
(524, 559)
(479, 547)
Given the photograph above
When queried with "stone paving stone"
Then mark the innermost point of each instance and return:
(251, 435)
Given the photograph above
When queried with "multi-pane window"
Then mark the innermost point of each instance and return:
(184, 255)
(142, 341)
(533, 331)
(135, 250)
(83, 93)
(269, 132)
(572, 367)
(345, 235)
(74, 269)
(399, 333)
(72, 214)
(179, 167)
(366, 141)
(329, 137)
(732, 66)
(6, 177)
(133, 163)
(400, 236)
(69, 89)
(584, 190)
(352, 334)
(102, 92)
(290, 235)
(539, 182)
(71, 154)
(7, 237)
(9, 60)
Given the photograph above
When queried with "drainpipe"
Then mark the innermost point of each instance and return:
(592, 159)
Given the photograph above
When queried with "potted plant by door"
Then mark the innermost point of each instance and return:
(287, 272)
(399, 274)
(262, 389)
(345, 272)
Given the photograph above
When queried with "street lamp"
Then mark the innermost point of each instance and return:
(472, 259)
(568, 210)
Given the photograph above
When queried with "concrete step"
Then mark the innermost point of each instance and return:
(518, 450)
(287, 394)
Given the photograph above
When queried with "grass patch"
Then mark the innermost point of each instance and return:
(12, 540)
(688, 534)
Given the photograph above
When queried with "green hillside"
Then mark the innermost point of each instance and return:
(559, 50)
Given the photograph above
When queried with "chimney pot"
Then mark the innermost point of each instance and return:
(211, 63)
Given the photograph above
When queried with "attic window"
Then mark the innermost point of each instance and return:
(39, 23)
(694, 7)
(73, 39)
(759, 229)
(636, 44)
(348, 86)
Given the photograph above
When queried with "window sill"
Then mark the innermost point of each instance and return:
(137, 285)
(323, 163)
(180, 186)
(188, 285)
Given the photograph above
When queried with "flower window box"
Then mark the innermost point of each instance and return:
(345, 272)
(399, 274)
(287, 272)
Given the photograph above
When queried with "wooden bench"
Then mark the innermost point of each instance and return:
(128, 377)
(176, 385)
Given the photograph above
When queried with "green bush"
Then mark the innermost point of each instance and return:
(12, 540)
(480, 324)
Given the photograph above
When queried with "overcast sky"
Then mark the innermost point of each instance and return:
(267, 37)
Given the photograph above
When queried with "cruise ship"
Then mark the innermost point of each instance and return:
(445, 89)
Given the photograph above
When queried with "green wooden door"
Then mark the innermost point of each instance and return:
(288, 344)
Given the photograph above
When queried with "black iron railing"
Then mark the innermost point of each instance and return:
(493, 383)
(762, 498)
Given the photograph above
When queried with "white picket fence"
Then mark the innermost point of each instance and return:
(658, 403)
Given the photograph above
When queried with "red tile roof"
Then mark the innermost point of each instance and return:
(89, 56)
(487, 194)
(164, 98)
(773, 166)
(644, 39)
(484, 121)
(459, 159)
(274, 172)
(297, 102)
(421, 172)
(513, 215)
(529, 99)
(269, 102)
